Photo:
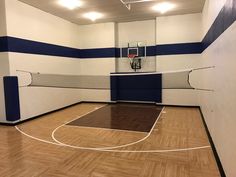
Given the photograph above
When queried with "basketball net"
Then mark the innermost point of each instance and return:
(131, 57)
(135, 62)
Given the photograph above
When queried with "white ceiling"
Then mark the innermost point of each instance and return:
(114, 10)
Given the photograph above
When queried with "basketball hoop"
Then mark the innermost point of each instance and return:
(135, 61)
(132, 56)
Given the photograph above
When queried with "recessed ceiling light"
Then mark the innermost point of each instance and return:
(93, 15)
(163, 7)
(70, 4)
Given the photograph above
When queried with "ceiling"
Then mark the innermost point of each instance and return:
(114, 10)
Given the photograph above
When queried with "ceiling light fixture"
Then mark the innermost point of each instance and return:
(70, 4)
(93, 15)
(163, 7)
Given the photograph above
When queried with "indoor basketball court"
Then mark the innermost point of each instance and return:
(118, 88)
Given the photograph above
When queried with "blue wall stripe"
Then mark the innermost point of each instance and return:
(12, 44)
(3, 44)
(33, 47)
(176, 49)
(225, 19)
(98, 53)
(11, 93)
(151, 51)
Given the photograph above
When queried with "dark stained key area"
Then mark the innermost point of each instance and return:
(121, 116)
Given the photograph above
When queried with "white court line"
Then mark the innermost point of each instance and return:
(17, 128)
(118, 151)
(111, 147)
(111, 150)
(38, 139)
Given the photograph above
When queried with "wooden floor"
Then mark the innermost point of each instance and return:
(177, 146)
(121, 116)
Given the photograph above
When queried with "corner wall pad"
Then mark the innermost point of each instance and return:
(12, 100)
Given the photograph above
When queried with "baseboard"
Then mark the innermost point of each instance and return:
(104, 102)
(217, 158)
(173, 105)
(32, 118)
(8, 124)
(141, 102)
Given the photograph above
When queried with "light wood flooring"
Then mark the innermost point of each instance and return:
(48, 148)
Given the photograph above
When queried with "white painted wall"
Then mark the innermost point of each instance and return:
(180, 62)
(178, 29)
(50, 29)
(210, 12)
(137, 31)
(43, 99)
(100, 35)
(3, 30)
(174, 30)
(4, 64)
(219, 107)
(27, 22)
(97, 36)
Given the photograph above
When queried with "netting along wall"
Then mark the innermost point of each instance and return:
(170, 80)
(70, 81)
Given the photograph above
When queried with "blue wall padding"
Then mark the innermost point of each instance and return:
(137, 87)
(12, 103)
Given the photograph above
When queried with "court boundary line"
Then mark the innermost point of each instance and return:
(117, 151)
(35, 138)
(39, 139)
(112, 150)
(111, 147)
